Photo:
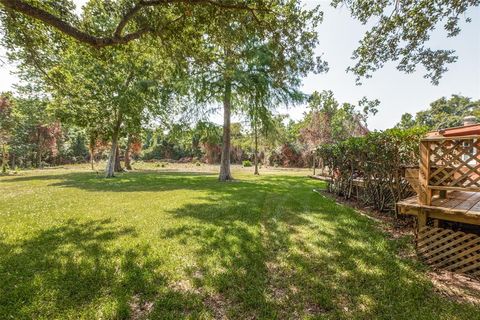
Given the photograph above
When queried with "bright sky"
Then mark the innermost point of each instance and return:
(398, 92)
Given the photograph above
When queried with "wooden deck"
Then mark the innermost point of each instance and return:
(460, 206)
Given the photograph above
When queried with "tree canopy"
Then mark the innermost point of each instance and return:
(442, 113)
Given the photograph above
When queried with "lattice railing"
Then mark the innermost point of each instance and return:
(449, 164)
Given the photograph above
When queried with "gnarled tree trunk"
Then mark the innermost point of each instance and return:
(110, 169)
(118, 165)
(225, 174)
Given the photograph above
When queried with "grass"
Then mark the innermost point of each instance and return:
(173, 245)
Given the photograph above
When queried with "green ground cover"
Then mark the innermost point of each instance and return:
(171, 245)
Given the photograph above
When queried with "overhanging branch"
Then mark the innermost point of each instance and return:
(117, 37)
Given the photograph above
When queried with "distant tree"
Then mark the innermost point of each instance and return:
(44, 137)
(328, 121)
(7, 125)
(442, 113)
(401, 31)
(406, 122)
(37, 134)
(262, 124)
(133, 147)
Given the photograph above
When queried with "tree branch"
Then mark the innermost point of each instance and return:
(50, 19)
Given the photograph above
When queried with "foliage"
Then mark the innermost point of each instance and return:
(327, 121)
(379, 159)
(7, 125)
(442, 113)
(252, 66)
(246, 163)
(401, 32)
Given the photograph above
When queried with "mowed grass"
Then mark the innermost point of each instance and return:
(171, 245)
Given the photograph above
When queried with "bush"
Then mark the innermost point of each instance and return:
(379, 159)
(246, 163)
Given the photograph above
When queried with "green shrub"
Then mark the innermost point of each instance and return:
(379, 158)
(246, 163)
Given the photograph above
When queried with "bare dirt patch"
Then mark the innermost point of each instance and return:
(140, 309)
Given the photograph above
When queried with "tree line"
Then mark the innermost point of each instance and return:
(33, 135)
(121, 65)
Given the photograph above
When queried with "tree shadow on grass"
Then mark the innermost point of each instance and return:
(74, 271)
(155, 181)
(295, 255)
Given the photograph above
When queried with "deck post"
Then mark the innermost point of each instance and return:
(421, 219)
(425, 194)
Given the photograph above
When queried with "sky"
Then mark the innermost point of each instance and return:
(398, 92)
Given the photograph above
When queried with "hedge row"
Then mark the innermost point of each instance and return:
(379, 159)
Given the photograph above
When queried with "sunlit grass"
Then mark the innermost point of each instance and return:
(170, 245)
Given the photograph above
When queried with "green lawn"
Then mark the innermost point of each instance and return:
(172, 245)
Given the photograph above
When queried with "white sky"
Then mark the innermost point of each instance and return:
(398, 92)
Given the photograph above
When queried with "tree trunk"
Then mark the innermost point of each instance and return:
(225, 174)
(39, 153)
(118, 165)
(91, 149)
(255, 155)
(128, 164)
(314, 161)
(13, 164)
(4, 158)
(39, 159)
(110, 169)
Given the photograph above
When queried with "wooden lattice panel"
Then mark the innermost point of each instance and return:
(454, 162)
(450, 250)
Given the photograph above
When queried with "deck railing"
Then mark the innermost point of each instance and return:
(448, 163)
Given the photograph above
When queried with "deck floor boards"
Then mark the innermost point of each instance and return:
(463, 204)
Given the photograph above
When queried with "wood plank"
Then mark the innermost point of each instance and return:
(438, 254)
(461, 264)
(474, 189)
(429, 242)
(475, 209)
(458, 256)
(444, 243)
(469, 202)
(464, 195)
(455, 217)
(442, 138)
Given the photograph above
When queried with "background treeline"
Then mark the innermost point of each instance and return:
(33, 135)
(372, 168)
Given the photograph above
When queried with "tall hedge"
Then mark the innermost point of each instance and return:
(379, 159)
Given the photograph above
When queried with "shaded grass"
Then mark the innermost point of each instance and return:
(172, 245)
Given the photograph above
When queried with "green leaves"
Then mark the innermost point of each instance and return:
(401, 32)
(442, 113)
(378, 159)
